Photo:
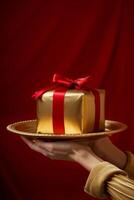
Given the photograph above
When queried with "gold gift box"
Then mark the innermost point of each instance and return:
(79, 112)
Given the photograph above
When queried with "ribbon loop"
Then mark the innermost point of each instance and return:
(61, 81)
(83, 82)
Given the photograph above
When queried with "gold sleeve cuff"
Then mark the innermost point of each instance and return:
(121, 187)
(96, 182)
(129, 168)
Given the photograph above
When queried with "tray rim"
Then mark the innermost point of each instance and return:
(120, 128)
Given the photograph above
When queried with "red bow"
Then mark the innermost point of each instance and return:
(79, 83)
(60, 81)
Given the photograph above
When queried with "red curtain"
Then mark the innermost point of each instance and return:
(74, 38)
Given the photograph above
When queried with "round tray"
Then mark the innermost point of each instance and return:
(28, 129)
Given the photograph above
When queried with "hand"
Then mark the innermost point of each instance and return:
(80, 153)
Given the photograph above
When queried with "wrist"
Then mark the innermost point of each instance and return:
(93, 161)
(86, 158)
(109, 152)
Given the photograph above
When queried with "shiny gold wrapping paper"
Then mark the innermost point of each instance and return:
(79, 112)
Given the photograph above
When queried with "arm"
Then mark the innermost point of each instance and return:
(105, 149)
(104, 178)
(108, 151)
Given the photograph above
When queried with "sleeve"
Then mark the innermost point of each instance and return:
(106, 179)
(129, 168)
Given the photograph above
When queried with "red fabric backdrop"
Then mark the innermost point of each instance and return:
(74, 38)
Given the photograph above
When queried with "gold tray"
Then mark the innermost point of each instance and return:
(28, 129)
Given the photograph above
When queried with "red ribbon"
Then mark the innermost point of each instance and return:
(58, 110)
(60, 85)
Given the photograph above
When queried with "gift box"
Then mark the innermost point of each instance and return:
(70, 107)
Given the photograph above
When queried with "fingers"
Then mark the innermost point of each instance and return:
(58, 150)
(33, 146)
(55, 147)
